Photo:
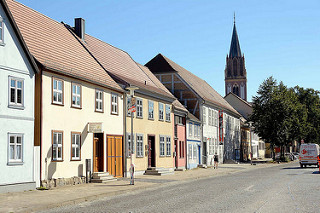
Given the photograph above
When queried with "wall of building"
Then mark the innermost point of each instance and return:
(14, 63)
(231, 128)
(67, 119)
(154, 127)
(181, 151)
(193, 142)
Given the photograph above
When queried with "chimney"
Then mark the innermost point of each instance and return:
(79, 27)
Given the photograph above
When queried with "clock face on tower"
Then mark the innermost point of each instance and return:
(235, 71)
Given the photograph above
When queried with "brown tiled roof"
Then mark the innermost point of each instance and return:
(192, 117)
(51, 43)
(120, 64)
(201, 87)
(179, 106)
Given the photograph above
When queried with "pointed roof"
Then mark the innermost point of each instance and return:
(198, 85)
(56, 49)
(235, 50)
(19, 36)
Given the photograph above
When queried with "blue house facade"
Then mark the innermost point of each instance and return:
(17, 71)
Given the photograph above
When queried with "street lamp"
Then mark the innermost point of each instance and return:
(251, 150)
(131, 88)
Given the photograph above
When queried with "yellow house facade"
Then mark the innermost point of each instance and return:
(153, 134)
(71, 108)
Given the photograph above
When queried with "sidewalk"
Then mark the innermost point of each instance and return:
(36, 200)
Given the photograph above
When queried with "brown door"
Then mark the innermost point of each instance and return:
(114, 156)
(98, 152)
(149, 153)
(176, 155)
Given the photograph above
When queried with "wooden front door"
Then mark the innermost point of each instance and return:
(176, 153)
(98, 153)
(114, 155)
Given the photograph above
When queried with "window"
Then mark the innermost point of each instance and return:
(57, 91)
(168, 113)
(57, 145)
(75, 145)
(1, 30)
(181, 149)
(76, 95)
(130, 146)
(15, 92)
(179, 120)
(211, 146)
(15, 148)
(150, 110)
(161, 111)
(190, 129)
(210, 115)
(168, 144)
(114, 104)
(190, 151)
(195, 130)
(204, 117)
(194, 151)
(161, 145)
(99, 101)
(139, 108)
(139, 145)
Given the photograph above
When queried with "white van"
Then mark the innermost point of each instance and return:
(308, 154)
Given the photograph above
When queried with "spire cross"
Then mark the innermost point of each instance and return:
(234, 17)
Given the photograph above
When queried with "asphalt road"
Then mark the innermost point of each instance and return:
(282, 188)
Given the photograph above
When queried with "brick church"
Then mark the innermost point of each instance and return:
(235, 71)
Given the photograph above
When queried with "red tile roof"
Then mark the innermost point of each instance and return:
(120, 64)
(51, 43)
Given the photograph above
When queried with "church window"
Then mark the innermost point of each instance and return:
(242, 91)
(235, 67)
(241, 67)
(236, 89)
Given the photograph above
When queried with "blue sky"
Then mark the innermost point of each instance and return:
(278, 38)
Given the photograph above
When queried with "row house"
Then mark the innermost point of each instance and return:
(78, 105)
(250, 141)
(17, 80)
(193, 129)
(219, 120)
(151, 143)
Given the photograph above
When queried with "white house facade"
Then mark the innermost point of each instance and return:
(17, 71)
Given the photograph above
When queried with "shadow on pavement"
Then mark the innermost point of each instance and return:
(292, 168)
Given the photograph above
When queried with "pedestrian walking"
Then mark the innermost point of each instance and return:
(216, 161)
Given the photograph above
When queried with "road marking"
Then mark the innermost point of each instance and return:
(248, 188)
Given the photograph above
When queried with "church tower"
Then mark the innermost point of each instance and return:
(235, 72)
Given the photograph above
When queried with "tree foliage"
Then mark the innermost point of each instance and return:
(281, 115)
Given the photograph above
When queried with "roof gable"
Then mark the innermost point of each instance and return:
(200, 86)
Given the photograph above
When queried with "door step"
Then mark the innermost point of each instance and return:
(102, 177)
(158, 171)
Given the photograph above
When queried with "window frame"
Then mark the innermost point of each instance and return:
(127, 141)
(76, 95)
(190, 128)
(15, 161)
(190, 151)
(149, 109)
(114, 104)
(139, 106)
(161, 111)
(15, 104)
(162, 145)
(168, 148)
(139, 146)
(98, 100)
(204, 115)
(168, 113)
(72, 147)
(52, 144)
(57, 91)
(195, 151)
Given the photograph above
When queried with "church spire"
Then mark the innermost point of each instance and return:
(235, 50)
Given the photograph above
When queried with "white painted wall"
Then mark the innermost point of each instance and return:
(13, 62)
(195, 142)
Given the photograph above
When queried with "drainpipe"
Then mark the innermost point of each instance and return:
(124, 150)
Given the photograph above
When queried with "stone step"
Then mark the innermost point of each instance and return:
(102, 181)
(158, 171)
(100, 174)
